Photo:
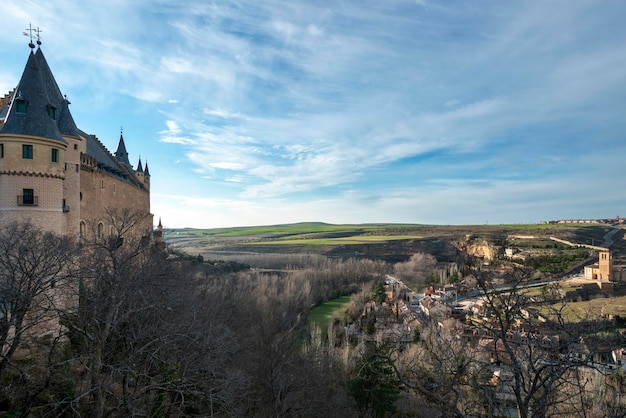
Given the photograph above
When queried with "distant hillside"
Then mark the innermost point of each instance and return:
(391, 242)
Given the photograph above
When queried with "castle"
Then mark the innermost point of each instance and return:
(53, 174)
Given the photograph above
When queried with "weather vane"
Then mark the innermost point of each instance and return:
(38, 31)
(30, 31)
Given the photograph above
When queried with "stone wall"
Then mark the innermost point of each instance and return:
(39, 173)
(101, 192)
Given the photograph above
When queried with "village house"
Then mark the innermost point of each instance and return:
(447, 292)
(619, 357)
(434, 308)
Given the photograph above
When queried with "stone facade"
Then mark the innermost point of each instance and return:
(55, 175)
(605, 271)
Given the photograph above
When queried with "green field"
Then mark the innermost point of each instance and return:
(355, 240)
(386, 242)
(282, 230)
(306, 237)
(321, 315)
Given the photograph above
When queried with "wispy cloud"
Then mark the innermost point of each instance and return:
(417, 110)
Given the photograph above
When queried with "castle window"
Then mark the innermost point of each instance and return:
(20, 105)
(27, 152)
(83, 230)
(27, 198)
(100, 231)
(75, 146)
(1, 150)
(52, 112)
(54, 156)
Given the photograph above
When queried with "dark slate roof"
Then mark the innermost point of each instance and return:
(34, 87)
(109, 164)
(139, 166)
(3, 112)
(65, 121)
(121, 154)
(145, 170)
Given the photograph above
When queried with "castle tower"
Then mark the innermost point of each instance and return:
(56, 176)
(75, 145)
(146, 178)
(121, 154)
(605, 266)
(158, 234)
(139, 172)
(36, 128)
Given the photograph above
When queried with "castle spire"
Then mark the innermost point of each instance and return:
(34, 108)
(139, 166)
(121, 154)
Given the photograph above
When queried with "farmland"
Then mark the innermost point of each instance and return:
(389, 242)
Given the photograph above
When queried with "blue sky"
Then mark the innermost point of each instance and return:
(266, 112)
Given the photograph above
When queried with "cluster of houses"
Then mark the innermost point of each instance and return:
(611, 221)
(406, 311)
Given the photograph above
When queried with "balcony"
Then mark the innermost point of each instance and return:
(27, 200)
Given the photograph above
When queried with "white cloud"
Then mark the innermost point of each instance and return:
(228, 165)
(221, 113)
(172, 134)
(287, 100)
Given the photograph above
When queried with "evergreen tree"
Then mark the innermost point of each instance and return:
(373, 386)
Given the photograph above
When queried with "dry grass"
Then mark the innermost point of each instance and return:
(596, 308)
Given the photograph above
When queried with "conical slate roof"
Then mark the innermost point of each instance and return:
(65, 121)
(121, 154)
(33, 90)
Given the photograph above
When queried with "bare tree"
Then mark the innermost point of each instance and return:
(535, 349)
(445, 372)
(417, 269)
(35, 271)
(149, 339)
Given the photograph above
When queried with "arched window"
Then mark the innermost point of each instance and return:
(82, 233)
(100, 231)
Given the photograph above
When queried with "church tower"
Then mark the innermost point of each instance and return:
(605, 266)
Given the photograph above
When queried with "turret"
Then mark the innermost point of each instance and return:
(139, 172)
(35, 128)
(146, 177)
(121, 154)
